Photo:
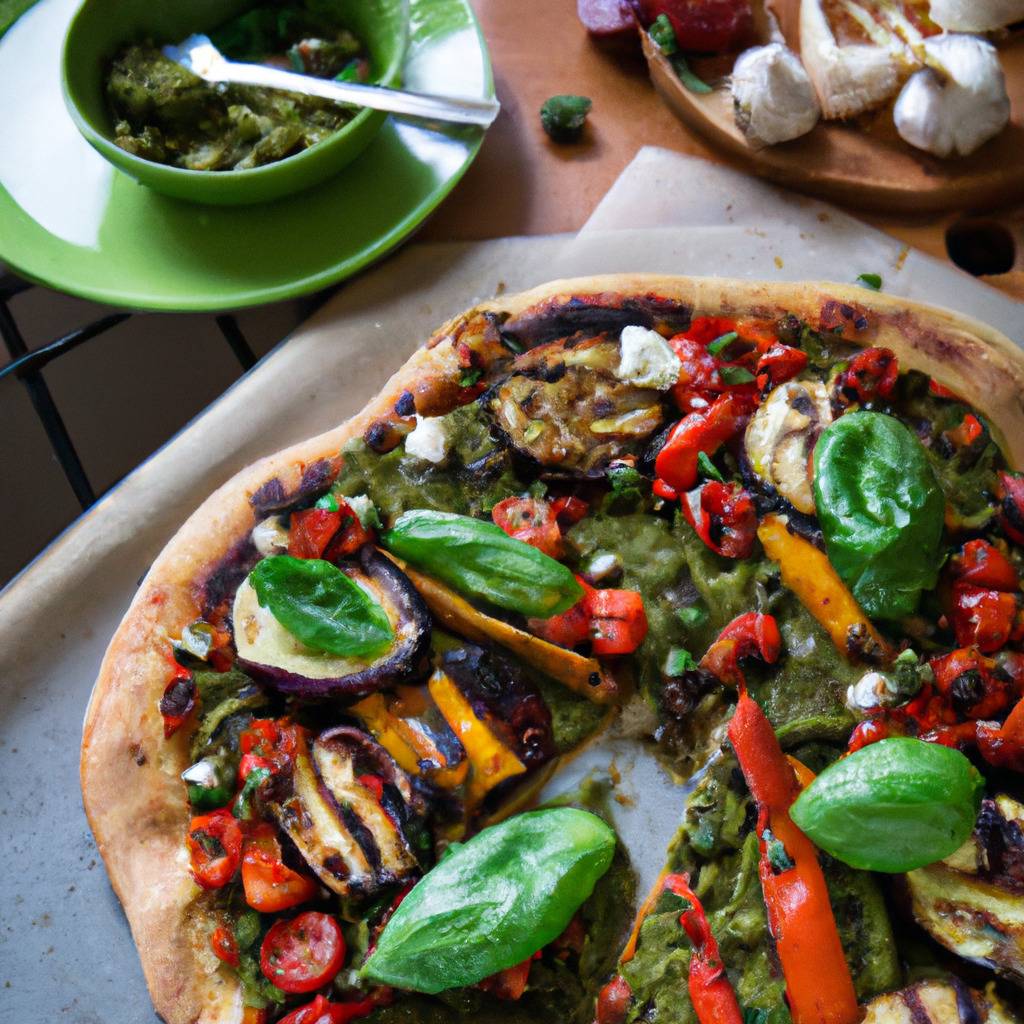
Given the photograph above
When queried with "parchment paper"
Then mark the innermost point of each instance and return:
(64, 947)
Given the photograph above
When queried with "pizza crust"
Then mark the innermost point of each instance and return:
(133, 796)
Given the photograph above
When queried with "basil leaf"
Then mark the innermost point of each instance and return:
(736, 375)
(494, 901)
(881, 511)
(319, 605)
(708, 468)
(892, 806)
(722, 342)
(481, 560)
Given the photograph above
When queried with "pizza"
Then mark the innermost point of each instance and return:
(775, 532)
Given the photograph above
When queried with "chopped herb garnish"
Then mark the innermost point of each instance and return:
(563, 117)
(350, 72)
(722, 342)
(247, 929)
(678, 661)
(735, 375)
(872, 281)
(708, 468)
(690, 80)
(470, 377)
(623, 478)
(663, 35)
(328, 502)
(242, 807)
(694, 615)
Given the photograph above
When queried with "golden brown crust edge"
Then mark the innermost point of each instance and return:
(130, 775)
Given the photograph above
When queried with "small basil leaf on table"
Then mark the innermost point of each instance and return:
(893, 806)
(319, 605)
(480, 560)
(881, 511)
(494, 901)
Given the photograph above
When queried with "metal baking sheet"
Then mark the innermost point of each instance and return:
(65, 950)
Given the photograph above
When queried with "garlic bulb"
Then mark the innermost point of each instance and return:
(958, 101)
(976, 15)
(772, 94)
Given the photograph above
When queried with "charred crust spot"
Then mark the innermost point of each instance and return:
(271, 497)
(382, 437)
(406, 404)
(137, 754)
(226, 575)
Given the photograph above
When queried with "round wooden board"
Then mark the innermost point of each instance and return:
(864, 162)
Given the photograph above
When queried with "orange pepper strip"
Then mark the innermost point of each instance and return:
(629, 950)
(818, 983)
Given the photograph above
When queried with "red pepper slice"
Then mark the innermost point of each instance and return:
(984, 565)
(509, 984)
(618, 622)
(351, 537)
(818, 983)
(984, 618)
(711, 993)
(1011, 505)
(568, 511)
(214, 843)
(703, 431)
(968, 682)
(723, 516)
(266, 743)
(571, 628)
(749, 635)
(964, 435)
(269, 884)
(1003, 745)
(871, 375)
(320, 1011)
(531, 521)
(304, 953)
(311, 531)
(224, 947)
(941, 391)
(613, 1001)
(779, 364)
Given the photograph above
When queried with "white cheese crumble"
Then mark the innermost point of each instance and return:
(646, 359)
(429, 440)
(270, 536)
(872, 690)
(365, 510)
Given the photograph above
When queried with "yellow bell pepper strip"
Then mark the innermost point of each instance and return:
(809, 574)
(492, 761)
(373, 711)
(818, 983)
(585, 676)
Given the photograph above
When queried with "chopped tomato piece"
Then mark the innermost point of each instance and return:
(1003, 745)
(509, 984)
(970, 685)
(270, 885)
(984, 565)
(964, 435)
(779, 364)
(351, 537)
(568, 511)
(224, 947)
(618, 621)
(267, 743)
(871, 375)
(374, 784)
(311, 531)
(531, 521)
(613, 1001)
(698, 432)
(304, 953)
(1011, 505)
(984, 618)
(723, 516)
(870, 731)
(320, 1011)
(214, 843)
(569, 629)
(749, 635)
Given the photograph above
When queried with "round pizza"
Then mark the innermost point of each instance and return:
(774, 533)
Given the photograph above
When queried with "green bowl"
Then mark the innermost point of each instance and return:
(101, 27)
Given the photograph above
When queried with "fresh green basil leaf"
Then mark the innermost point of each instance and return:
(881, 511)
(892, 806)
(319, 605)
(481, 560)
(872, 281)
(708, 468)
(493, 902)
(679, 660)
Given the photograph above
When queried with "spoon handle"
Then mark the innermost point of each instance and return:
(397, 101)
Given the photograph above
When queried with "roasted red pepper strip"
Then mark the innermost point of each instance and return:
(351, 536)
(179, 698)
(613, 1001)
(568, 511)
(984, 565)
(711, 993)
(969, 685)
(1003, 745)
(818, 983)
(532, 521)
(964, 435)
(1011, 505)
(703, 431)
(748, 635)
(224, 947)
(723, 516)
(871, 375)
(941, 391)
(613, 620)
(779, 364)
(987, 619)
(215, 847)
(320, 1011)
(311, 531)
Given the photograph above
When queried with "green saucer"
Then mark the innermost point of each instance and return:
(70, 220)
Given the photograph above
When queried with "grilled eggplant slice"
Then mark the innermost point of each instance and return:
(355, 838)
(781, 436)
(973, 902)
(938, 1002)
(563, 408)
(271, 655)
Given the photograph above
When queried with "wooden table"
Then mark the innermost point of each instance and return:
(523, 184)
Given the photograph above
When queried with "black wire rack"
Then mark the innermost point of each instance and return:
(27, 366)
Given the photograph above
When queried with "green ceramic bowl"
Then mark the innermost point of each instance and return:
(101, 27)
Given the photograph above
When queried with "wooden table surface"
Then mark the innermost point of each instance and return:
(524, 184)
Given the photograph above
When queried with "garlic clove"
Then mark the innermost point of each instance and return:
(773, 98)
(958, 101)
(976, 15)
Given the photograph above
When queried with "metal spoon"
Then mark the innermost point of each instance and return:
(202, 58)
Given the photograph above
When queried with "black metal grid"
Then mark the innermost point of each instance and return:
(27, 366)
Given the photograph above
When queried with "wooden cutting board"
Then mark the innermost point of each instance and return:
(861, 163)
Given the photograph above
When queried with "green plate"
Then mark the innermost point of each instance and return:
(70, 220)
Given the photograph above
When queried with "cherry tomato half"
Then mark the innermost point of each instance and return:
(270, 885)
(304, 953)
(215, 847)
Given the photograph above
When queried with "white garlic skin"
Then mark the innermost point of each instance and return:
(773, 98)
(958, 102)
